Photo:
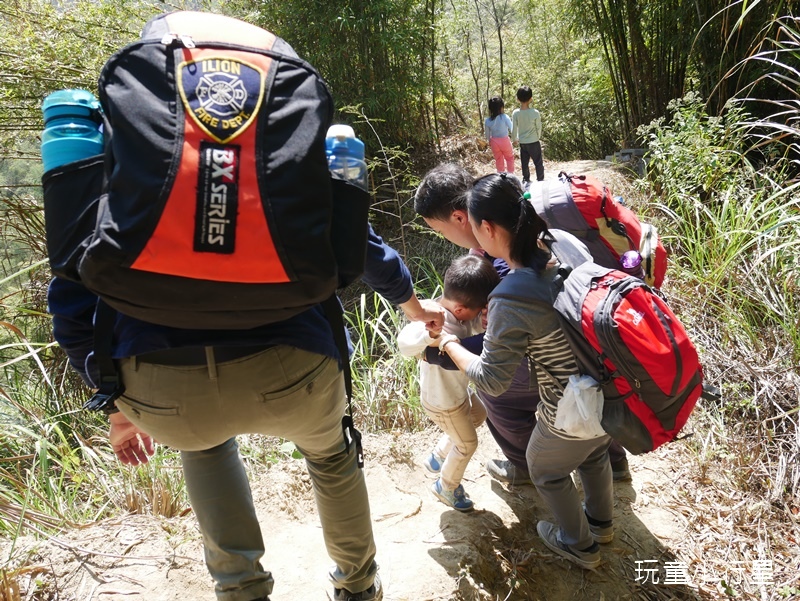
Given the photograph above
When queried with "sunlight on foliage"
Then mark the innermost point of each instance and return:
(732, 225)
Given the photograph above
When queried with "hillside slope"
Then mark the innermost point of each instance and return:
(425, 550)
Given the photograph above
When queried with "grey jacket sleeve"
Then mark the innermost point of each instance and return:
(512, 325)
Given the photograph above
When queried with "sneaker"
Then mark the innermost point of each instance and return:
(457, 499)
(505, 471)
(620, 470)
(602, 532)
(373, 593)
(588, 559)
(433, 463)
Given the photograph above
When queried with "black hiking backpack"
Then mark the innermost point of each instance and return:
(213, 206)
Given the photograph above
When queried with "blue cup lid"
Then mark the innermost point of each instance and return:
(71, 103)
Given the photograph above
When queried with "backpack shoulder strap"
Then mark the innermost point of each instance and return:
(569, 251)
(110, 387)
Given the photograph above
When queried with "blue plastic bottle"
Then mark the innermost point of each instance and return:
(71, 127)
(346, 155)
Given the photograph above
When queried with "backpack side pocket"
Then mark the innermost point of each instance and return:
(349, 230)
(71, 195)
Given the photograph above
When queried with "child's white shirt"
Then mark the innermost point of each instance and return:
(439, 388)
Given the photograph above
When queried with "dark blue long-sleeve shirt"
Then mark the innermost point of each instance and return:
(73, 306)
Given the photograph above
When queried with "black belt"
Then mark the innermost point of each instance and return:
(196, 355)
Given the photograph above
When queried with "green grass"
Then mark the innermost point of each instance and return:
(728, 203)
(733, 228)
(385, 384)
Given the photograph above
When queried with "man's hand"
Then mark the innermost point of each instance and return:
(130, 444)
(431, 312)
(434, 320)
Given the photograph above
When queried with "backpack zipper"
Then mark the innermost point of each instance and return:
(608, 325)
(178, 39)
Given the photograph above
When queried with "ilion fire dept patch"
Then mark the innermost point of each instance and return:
(221, 94)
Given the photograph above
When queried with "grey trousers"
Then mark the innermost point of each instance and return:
(551, 461)
(282, 391)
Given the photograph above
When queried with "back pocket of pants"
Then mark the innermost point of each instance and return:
(307, 381)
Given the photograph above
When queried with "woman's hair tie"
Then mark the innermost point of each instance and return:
(526, 196)
(503, 175)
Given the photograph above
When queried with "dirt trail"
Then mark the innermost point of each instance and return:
(426, 551)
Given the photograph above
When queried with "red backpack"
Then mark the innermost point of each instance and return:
(625, 336)
(584, 207)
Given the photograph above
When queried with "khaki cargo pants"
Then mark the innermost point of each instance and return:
(281, 391)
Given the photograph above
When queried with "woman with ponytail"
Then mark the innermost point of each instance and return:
(522, 322)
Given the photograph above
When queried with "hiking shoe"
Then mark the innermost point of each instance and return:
(373, 593)
(588, 559)
(602, 532)
(457, 499)
(433, 463)
(505, 471)
(620, 470)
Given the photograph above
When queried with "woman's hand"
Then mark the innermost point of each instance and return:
(452, 346)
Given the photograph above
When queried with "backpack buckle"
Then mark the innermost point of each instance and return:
(351, 435)
(104, 399)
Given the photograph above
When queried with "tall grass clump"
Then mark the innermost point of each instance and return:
(385, 384)
(733, 223)
(57, 467)
(56, 464)
(731, 220)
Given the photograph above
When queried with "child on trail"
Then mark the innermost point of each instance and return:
(445, 394)
(497, 127)
(526, 128)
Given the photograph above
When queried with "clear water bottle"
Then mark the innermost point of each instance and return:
(72, 127)
(346, 155)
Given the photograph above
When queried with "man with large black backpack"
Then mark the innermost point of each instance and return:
(196, 264)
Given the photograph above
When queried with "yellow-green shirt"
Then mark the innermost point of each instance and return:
(526, 125)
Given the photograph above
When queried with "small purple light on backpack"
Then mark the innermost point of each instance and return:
(630, 259)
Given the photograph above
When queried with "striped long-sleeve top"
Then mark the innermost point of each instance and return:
(517, 327)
